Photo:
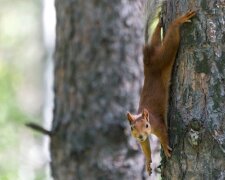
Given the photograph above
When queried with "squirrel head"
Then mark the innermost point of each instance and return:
(139, 124)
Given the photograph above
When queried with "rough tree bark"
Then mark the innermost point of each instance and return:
(197, 116)
(97, 79)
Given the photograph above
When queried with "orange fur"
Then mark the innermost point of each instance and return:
(159, 58)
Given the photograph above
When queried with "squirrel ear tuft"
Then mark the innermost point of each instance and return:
(130, 117)
(145, 114)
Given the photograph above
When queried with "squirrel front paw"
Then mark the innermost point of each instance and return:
(148, 167)
(167, 150)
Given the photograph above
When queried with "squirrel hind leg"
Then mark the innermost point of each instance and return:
(186, 17)
(156, 36)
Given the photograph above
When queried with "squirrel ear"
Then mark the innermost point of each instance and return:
(129, 117)
(145, 114)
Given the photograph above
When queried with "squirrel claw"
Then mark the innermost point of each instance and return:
(168, 154)
(169, 148)
(167, 151)
(186, 17)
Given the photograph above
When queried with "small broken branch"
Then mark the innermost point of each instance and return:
(38, 128)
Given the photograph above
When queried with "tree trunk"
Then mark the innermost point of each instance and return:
(197, 116)
(98, 73)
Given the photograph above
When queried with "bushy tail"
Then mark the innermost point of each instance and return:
(152, 12)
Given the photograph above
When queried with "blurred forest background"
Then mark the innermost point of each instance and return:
(27, 35)
(24, 95)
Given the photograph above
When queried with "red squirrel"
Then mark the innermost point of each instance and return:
(158, 57)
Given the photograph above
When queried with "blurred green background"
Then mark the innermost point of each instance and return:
(22, 65)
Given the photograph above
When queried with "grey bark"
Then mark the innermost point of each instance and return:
(98, 73)
(197, 116)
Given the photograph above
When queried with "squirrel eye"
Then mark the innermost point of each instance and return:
(146, 125)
